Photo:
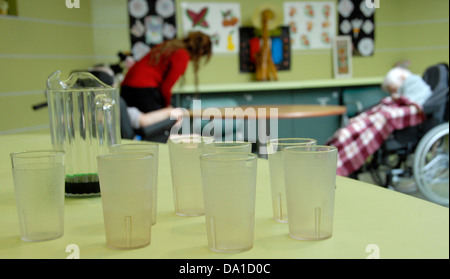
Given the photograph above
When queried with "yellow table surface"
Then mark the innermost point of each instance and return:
(399, 225)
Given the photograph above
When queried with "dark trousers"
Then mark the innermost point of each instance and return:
(144, 99)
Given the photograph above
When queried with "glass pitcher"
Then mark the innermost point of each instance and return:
(84, 122)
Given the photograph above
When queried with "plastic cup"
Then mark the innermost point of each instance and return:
(150, 147)
(228, 146)
(310, 176)
(39, 189)
(126, 190)
(185, 154)
(229, 184)
(278, 189)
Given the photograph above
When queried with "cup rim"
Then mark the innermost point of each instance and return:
(280, 141)
(233, 144)
(139, 144)
(126, 156)
(232, 141)
(179, 139)
(304, 149)
(39, 153)
(223, 156)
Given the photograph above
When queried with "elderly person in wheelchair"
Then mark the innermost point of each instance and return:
(401, 82)
(390, 136)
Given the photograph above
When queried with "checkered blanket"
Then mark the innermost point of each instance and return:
(367, 131)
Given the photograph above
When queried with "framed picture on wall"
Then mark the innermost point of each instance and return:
(357, 19)
(151, 23)
(8, 7)
(220, 20)
(250, 41)
(342, 56)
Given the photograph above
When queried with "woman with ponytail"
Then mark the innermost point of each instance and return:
(148, 84)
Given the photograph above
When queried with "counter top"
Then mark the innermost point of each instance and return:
(277, 85)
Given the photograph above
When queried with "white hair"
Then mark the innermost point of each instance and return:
(395, 77)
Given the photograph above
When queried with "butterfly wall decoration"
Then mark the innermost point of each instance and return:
(198, 19)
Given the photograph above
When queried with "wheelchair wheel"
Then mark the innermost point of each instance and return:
(431, 165)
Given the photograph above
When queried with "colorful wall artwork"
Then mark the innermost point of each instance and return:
(250, 39)
(221, 21)
(151, 23)
(356, 19)
(342, 56)
(8, 7)
(312, 24)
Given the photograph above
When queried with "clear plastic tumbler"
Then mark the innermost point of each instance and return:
(39, 189)
(144, 146)
(185, 154)
(310, 176)
(278, 189)
(228, 146)
(229, 185)
(126, 190)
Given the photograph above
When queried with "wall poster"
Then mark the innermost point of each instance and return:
(8, 7)
(312, 24)
(151, 23)
(250, 44)
(342, 56)
(356, 19)
(221, 21)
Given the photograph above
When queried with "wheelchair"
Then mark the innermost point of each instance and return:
(419, 154)
(431, 165)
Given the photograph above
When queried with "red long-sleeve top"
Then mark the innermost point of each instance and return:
(162, 75)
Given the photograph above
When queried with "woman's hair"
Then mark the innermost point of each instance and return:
(196, 43)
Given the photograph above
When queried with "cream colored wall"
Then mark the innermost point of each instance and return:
(110, 29)
(413, 30)
(47, 36)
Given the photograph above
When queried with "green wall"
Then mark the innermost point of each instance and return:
(47, 36)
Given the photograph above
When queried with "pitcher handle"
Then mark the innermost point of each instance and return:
(106, 118)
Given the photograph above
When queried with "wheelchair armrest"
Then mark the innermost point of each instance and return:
(431, 109)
